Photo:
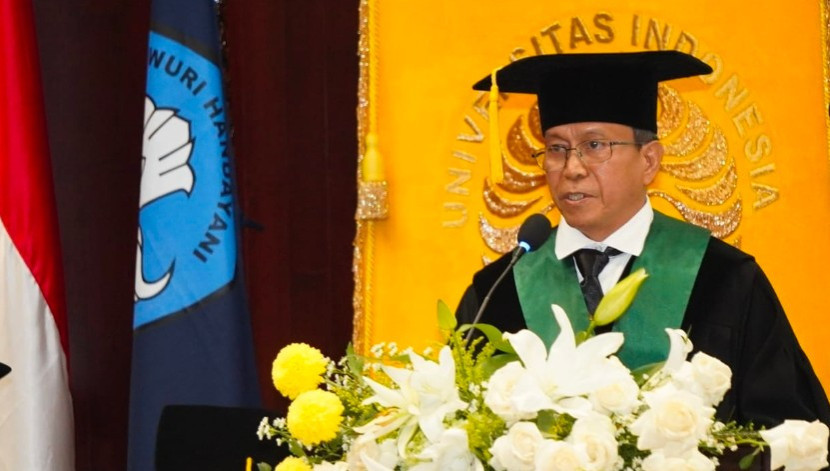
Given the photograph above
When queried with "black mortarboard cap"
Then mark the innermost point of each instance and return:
(614, 87)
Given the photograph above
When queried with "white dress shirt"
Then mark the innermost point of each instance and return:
(628, 239)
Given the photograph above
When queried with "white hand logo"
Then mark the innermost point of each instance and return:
(166, 150)
(164, 170)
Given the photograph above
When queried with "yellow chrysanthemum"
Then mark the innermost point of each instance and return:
(292, 463)
(298, 368)
(314, 417)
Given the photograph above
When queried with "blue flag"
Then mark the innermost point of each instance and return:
(192, 336)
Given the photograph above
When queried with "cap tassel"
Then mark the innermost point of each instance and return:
(496, 169)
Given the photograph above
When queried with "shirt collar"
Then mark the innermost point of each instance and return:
(629, 238)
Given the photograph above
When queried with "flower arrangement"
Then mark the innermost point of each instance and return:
(509, 403)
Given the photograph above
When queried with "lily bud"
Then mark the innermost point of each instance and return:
(616, 301)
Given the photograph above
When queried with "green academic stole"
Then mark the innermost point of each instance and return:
(671, 256)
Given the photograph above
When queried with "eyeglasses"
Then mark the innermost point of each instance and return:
(592, 152)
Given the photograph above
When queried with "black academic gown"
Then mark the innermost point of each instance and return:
(733, 314)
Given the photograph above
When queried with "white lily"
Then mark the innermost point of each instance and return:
(561, 378)
(450, 453)
(679, 348)
(425, 395)
(373, 465)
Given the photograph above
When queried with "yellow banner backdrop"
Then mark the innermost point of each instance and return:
(747, 146)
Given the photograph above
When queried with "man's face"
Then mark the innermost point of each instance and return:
(598, 199)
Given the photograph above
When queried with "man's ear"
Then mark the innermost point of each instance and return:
(653, 153)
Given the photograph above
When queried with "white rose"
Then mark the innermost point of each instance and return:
(691, 461)
(619, 396)
(595, 435)
(705, 376)
(558, 456)
(365, 446)
(713, 376)
(674, 423)
(797, 445)
(500, 389)
(516, 451)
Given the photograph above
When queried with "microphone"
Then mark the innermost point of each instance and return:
(533, 232)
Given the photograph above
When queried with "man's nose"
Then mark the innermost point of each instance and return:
(574, 166)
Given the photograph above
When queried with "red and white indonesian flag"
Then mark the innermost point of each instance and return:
(36, 427)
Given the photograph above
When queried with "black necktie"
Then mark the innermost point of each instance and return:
(590, 263)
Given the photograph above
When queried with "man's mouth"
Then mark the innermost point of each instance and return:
(575, 196)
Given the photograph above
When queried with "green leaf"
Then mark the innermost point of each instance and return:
(399, 358)
(546, 421)
(747, 460)
(617, 300)
(554, 424)
(295, 448)
(446, 319)
(490, 365)
(354, 361)
(646, 371)
(493, 334)
(263, 467)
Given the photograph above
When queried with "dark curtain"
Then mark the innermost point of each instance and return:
(292, 70)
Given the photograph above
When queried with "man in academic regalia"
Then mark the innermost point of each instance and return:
(598, 115)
